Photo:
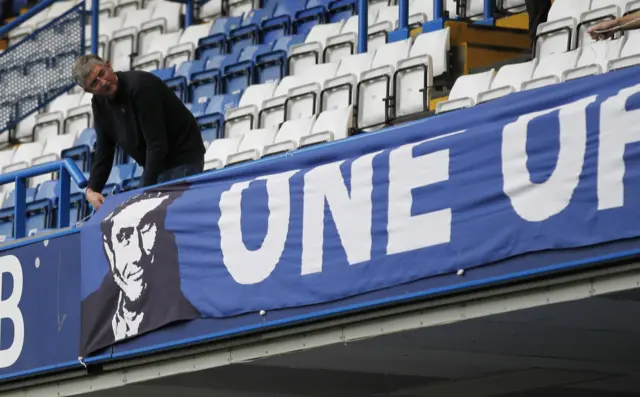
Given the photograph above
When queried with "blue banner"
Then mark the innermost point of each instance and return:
(550, 169)
(40, 306)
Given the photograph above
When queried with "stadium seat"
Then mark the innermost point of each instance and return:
(311, 51)
(630, 53)
(252, 144)
(210, 127)
(184, 50)
(245, 116)
(124, 42)
(272, 66)
(218, 152)
(594, 59)
(550, 69)
(280, 24)
(47, 125)
(182, 77)
(376, 86)
(340, 91)
(118, 174)
(134, 181)
(508, 79)
(207, 83)
(314, 13)
(216, 42)
(155, 54)
(289, 135)
(329, 126)
(81, 150)
(238, 76)
(465, 91)
(600, 10)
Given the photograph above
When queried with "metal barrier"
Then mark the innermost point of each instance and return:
(67, 170)
(37, 68)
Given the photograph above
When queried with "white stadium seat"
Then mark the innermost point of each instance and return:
(465, 91)
(376, 84)
(630, 53)
(187, 44)
(289, 135)
(508, 79)
(549, 69)
(245, 116)
(329, 126)
(252, 145)
(218, 151)
(594, 59)
(340, 91)
(311, 51)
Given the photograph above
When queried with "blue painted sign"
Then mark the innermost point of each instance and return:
(40, 306)
(550, 169)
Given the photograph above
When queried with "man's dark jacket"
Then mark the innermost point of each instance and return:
(150, 123)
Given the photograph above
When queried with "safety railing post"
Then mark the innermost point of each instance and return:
(188, 16)
(64, 188)
(20, 207)
(363, 24)
(95, 21)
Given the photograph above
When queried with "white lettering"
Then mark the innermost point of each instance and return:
(618, 127)
(9, 309)
(407, 232)
(251, 267)
(536, 202)
(351, 214)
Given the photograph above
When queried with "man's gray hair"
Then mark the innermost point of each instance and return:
(82, 67)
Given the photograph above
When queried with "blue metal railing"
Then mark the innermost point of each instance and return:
(67, 170)
(27, 15)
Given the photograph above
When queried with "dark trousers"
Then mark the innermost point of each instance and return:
(538, 11)
(181, 171)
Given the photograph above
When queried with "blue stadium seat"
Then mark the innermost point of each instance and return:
(165, 74)
(40, 212)
(240, 75)
(198, 108)
(243, 36)
(272, 66)
(221, 103)
(256, 16)
(216, 42)
(81, 151)
(119, 173)
(182, 78)
(207, 82)
(47, 199)
(134, 181)
(211, 127)
(315, 13)
(8, 200)
(280, 24)
(341, 9)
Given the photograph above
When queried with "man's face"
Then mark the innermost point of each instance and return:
(101, 81)
(133, 238)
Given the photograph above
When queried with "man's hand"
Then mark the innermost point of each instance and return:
(603, 30)
(94, 198)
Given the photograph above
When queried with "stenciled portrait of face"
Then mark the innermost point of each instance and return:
(143, 282)
(131, 242)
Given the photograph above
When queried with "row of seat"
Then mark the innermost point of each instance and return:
(600, 57)
(568, 21)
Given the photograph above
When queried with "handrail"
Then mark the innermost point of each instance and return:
(67, 170)
(31, 12)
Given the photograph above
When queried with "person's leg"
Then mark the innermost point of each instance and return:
(538, 11)
(181, 171)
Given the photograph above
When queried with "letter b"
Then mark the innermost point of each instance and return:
(9, 309)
